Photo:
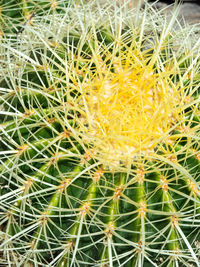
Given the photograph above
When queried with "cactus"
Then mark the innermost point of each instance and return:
(100, 156)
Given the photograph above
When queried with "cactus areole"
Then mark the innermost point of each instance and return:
(99, 138)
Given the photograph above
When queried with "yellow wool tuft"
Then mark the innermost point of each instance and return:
(128, 106)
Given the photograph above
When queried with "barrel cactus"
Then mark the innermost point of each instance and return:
(100, 154)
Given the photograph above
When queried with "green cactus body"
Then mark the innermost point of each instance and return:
(100, 158)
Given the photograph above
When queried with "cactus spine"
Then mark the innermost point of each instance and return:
(100, 157)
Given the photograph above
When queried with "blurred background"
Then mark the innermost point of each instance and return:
(189, 12)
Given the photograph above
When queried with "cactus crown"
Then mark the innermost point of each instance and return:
(129, 105)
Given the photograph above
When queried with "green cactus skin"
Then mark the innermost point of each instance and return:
(80, 185)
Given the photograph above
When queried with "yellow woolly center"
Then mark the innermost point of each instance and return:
(129, 108)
